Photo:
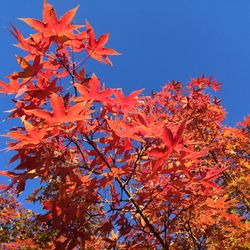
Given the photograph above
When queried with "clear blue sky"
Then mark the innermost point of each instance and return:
(160, 40)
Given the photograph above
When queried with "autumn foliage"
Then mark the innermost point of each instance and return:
(117, 171)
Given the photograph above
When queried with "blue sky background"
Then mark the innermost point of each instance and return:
(160, 40)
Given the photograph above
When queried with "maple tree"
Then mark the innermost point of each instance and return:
(116, 171)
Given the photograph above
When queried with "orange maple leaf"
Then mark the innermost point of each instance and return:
(29, 71)
(10, 88)
(32, 136)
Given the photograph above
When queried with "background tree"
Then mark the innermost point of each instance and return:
(116, 171)
(18, 226)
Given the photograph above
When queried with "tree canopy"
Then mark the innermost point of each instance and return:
(117, 171)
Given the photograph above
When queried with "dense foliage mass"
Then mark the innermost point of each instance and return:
(116, 171)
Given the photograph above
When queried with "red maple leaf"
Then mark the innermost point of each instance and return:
(93, 91)
(58, 29)
(95, 48)
(77, 112)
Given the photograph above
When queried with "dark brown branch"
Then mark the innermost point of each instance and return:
(138, 210)
(139, 155)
